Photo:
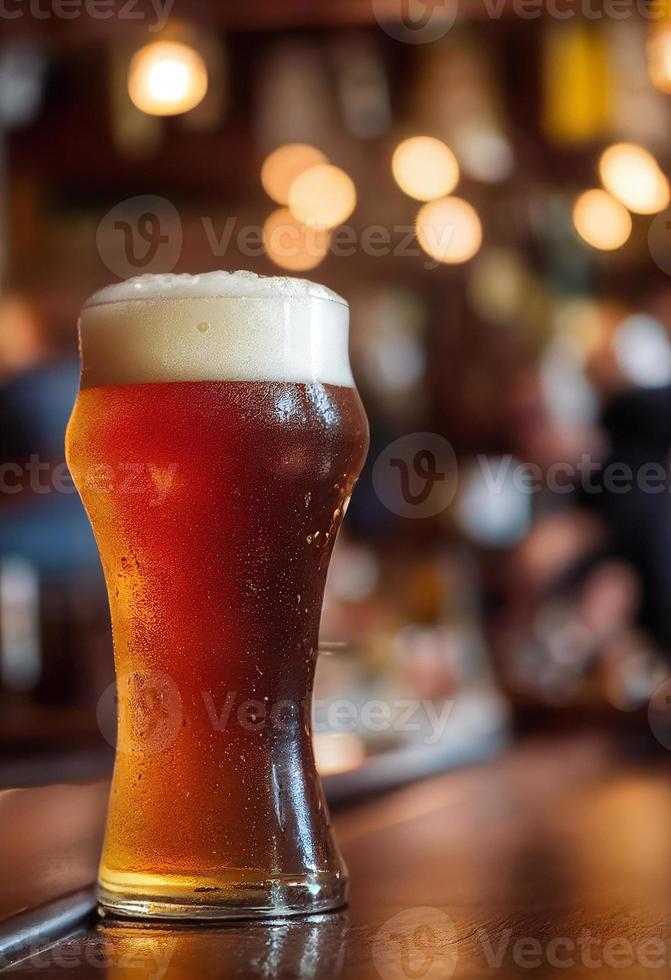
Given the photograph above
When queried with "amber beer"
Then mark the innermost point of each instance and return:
(215, 442)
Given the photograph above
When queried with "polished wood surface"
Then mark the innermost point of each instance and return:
(553, 860)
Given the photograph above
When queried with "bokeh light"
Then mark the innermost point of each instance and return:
(498, 284)
(449, 230)
(293, 245)
(322, 197)
(167, 78)
(425, 168)
(281, 168)
(643, 350)
(600, 220)
(659, 55)
(337, 752)
(632, 175)
(494, 520)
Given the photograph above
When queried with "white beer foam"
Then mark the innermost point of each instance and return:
(220, 326)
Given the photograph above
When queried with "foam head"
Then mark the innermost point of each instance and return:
(220, 326)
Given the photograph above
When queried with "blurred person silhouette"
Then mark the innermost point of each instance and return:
(592, 577)
(631, 494)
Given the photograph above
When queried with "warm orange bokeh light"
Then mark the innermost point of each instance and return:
(601, 221)
(632, 175)
(281, 168)
(322, 197)
(425, 168)
(292, 245)
(167, 78)
(449, 230)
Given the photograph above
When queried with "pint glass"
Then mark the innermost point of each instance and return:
(215, 443)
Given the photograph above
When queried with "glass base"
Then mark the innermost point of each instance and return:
(233, 897)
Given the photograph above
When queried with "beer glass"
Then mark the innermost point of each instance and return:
(215, 443)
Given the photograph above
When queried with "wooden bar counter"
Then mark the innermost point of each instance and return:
(554, 859)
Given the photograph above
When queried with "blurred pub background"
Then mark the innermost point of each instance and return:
(486, 184)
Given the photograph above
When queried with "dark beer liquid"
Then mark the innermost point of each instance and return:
(215, 506)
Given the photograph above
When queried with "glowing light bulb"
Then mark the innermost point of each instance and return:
(425, 168)
(449, 230)
(281, 168)
(601, 221)
(293, 245)
(322, 197)
(167, 78)
(632, 175)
